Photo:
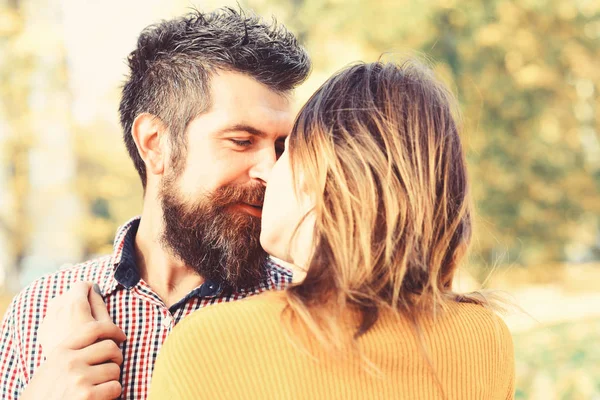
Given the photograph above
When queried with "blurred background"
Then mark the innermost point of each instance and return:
(527, 74)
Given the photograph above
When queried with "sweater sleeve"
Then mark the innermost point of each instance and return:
(507, 361)
(220, 351)
(165, 385)
(176, 375)
(194, 361)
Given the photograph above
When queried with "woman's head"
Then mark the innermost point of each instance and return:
(376, 162)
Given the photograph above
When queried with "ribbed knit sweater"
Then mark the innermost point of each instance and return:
(244, 350)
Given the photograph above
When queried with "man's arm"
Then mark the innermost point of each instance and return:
(11, 368)
(80, 345)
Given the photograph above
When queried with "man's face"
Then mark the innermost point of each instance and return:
(212, 208)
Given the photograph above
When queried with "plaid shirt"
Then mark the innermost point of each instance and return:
(133, 305)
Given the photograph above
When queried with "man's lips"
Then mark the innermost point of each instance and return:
(254, 210)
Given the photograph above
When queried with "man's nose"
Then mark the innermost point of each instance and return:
(264, 162)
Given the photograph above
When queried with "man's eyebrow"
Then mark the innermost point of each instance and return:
(243, 128)
(249, 129)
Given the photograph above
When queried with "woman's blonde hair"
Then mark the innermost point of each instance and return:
(379, 149)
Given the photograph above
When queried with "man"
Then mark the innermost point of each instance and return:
(205, 112)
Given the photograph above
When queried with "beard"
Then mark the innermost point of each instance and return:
(220, 244)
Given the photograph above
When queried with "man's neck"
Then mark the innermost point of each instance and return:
(168, 276)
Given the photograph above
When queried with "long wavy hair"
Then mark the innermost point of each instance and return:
(379, 150)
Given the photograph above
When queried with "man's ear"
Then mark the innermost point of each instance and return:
(148, 132)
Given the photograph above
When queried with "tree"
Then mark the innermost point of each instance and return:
(525, 75)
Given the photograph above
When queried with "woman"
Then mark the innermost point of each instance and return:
(370, 200)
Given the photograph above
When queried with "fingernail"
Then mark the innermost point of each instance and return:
(97, 289)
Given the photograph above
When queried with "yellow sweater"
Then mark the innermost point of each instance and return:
(241, 350)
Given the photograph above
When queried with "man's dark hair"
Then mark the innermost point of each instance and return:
(170, 68)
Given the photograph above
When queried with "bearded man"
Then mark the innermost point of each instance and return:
(205, 112)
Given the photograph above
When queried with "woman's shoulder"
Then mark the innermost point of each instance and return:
(456, 322)
(472, 314)
(480, 336)
(479, 325)
(246, 314)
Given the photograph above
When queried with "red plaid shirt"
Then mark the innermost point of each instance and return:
(133, 305)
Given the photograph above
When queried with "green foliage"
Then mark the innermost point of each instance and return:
(107, 184)
(559, 362)
(527, 78)
(15, 71)
(525, 73)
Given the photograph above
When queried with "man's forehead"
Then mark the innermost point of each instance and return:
(252, 104)
(238, 100)
(233, 89)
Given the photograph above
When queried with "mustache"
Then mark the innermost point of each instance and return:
(227, 195)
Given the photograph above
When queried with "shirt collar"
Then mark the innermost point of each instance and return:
(124, 270)
(126, 273)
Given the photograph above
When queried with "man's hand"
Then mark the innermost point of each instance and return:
(81, 345)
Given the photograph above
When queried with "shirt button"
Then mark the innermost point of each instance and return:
(167, 321)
